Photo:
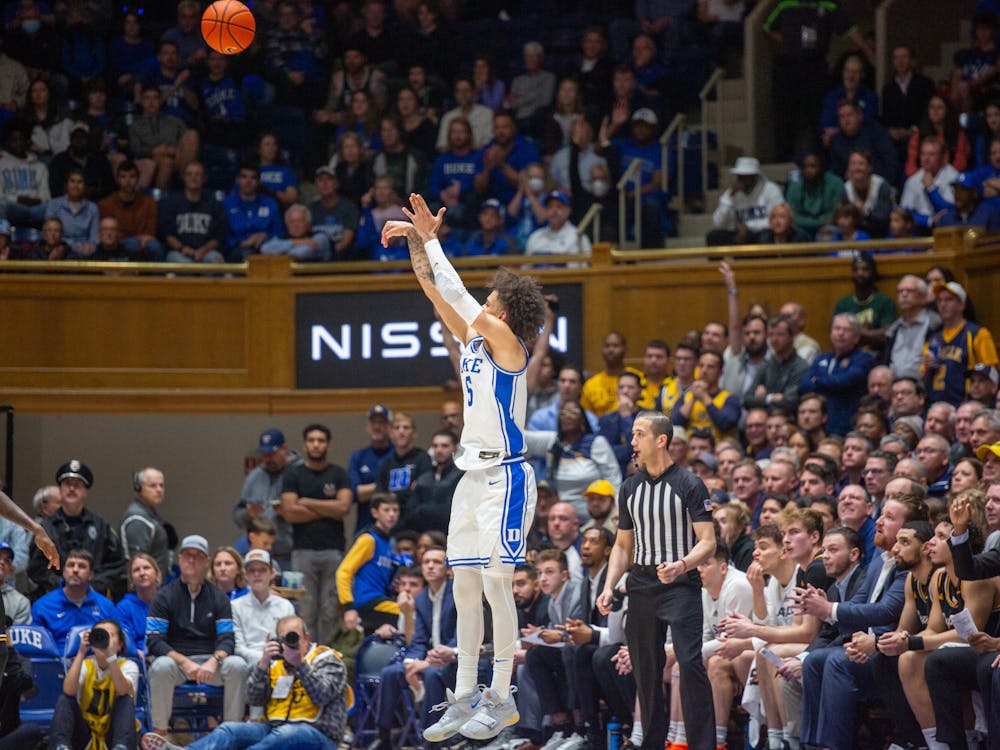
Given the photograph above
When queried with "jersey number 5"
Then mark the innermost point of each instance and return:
(468, 389)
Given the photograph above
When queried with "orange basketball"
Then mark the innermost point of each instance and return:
(228, 26)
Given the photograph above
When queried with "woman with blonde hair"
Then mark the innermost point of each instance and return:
(227, 573)
(144, 580)
(783, 229)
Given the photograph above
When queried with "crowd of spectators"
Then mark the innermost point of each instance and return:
(890, 164)
(400, 97)
(855, 479)
(854, 482)
(126, 138)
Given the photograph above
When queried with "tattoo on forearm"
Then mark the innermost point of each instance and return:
(418, 256)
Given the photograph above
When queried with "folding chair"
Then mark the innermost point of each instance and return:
(199, 707)
(374, 655)
(47, 670)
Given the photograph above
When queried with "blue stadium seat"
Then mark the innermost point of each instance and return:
(47, 670)
(372, 657)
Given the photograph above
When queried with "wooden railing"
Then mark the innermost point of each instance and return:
(130, 338)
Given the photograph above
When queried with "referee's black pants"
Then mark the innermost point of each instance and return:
(652, 607)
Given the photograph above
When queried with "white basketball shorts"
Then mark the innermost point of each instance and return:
(491, 512)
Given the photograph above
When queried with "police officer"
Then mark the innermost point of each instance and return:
(75, 527)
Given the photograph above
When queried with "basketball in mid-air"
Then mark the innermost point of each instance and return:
(228, 26)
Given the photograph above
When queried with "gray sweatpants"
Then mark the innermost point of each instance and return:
(165, 675)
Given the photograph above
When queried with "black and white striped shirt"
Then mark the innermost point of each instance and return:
(660, 511)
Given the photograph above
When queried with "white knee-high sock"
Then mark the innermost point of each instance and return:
(498, 585)
(930, 737)
(468, 591)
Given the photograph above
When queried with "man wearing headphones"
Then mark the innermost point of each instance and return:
(142, 529)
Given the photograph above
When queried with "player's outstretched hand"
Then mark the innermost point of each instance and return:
(394, 229)
(48, 548)
(426, 223)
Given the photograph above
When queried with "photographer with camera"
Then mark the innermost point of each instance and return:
(97, 707)
(303, 689)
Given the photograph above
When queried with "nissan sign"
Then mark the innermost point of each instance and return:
(392, 339)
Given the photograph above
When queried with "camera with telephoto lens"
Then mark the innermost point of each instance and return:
(99, 638)
(290, 639)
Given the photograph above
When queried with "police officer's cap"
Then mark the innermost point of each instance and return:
(78, 469)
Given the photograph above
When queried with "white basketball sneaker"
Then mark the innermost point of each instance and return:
(492, 716)
(457, 711)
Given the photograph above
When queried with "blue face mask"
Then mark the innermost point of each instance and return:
(31, 26)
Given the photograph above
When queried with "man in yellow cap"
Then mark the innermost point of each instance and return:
(600, 497)
(990, 456)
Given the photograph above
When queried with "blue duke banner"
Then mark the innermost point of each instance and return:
(392, 339)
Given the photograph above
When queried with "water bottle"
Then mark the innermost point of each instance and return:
(614, 735)
(935, 351)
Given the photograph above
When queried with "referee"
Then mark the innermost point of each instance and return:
(664, 532)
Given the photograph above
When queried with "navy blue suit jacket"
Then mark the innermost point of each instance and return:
(618, 431)
(424, 614)
(829, 634)
(843, 384)
(882, 615)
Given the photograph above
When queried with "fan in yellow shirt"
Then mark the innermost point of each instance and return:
(600, 392)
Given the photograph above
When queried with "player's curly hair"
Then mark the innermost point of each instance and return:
(521, 297)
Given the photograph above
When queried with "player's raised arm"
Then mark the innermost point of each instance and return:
(12, 512)
(458, 309)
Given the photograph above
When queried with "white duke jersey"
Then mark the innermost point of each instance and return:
(495, 406)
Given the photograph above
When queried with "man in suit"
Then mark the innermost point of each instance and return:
(833, 677)
(843, 550)
(588, 629)
(546, 664)
(432, 652)
(532, 609)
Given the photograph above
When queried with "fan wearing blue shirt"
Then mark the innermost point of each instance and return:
(988, 173)
(452, 181)
(969, 208)
(75, 602)
(645, 146)
(276, 179)
(133, 608)
(491, 239)
(251, 218)
(504, 158)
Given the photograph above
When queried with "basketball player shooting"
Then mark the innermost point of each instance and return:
(494, 502)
